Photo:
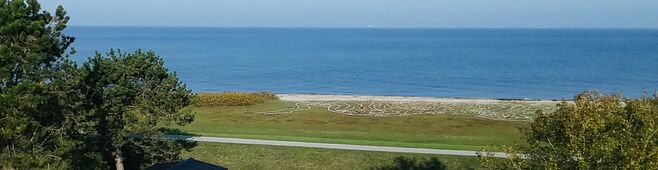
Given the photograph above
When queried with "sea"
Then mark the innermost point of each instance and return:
(455, 63)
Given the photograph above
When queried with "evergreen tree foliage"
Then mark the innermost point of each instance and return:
(103, 115)
(127, 97)
(33, 86)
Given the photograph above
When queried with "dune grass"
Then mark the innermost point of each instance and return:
(320, 125)
(236, 156)
(232, 98)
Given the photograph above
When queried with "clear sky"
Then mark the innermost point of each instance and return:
(361, 13)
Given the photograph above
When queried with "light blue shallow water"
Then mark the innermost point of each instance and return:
(469, 63)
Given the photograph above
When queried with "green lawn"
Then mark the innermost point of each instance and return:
(235, 156)
(320, 125)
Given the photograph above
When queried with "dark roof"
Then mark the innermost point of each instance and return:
(163, 165)
(188, 164)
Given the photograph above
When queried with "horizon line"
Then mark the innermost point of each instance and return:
(354, 27)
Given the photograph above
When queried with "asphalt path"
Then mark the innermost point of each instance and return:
(331, 146)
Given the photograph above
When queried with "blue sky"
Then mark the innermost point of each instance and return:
(361, 13)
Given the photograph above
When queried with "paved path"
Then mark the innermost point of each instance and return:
(330, 146)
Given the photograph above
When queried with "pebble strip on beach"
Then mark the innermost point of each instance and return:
(386, 106)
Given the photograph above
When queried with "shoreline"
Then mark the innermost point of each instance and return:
(341, 97)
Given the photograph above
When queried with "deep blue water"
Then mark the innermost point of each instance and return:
(469, 63)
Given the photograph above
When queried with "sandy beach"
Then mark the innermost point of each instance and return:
(326, 97)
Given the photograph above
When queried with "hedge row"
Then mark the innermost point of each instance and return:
(233, 98)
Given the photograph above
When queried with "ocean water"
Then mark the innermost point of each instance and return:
(464, 63)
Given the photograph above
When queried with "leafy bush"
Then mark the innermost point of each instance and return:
(233, 98)
(594, 132)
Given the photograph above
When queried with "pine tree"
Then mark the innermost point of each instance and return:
(33, 91)
(128, 96)
(106, 114)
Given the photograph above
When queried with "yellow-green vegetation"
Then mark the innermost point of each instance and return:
(236, 156)
(595, 132)
(233, 98)
(317, 124)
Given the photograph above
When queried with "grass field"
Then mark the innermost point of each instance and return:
(235, 156)
(320, 125)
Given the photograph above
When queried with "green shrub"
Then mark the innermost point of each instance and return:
(595, 131)
(233, 98)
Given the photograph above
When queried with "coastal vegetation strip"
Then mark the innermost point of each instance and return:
(317, 124)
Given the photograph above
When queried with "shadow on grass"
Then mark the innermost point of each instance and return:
(137, 156)
(172, 131)
(181, 138)
(407, 163)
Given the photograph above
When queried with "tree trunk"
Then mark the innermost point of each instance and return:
(118, 159)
